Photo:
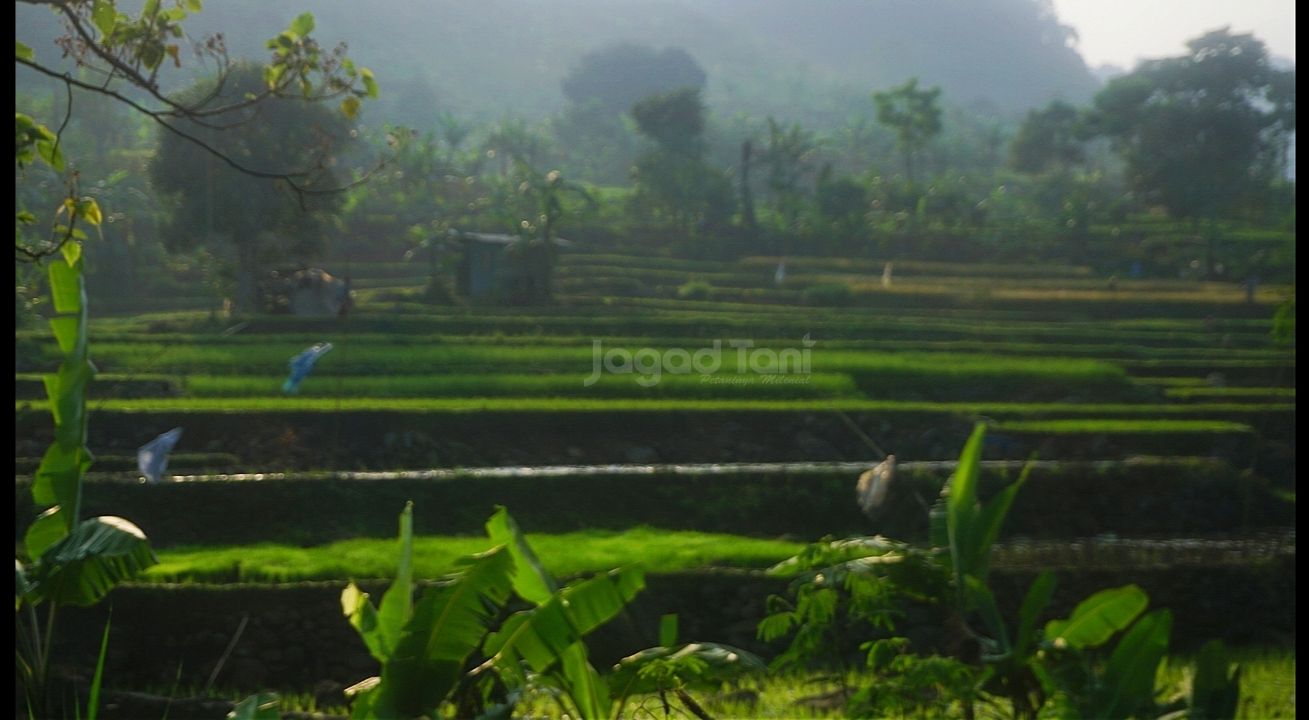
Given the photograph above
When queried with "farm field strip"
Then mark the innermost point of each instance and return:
(1120, 426)
(1231, 393)
(885, 386)
(1106, 351)
(350, 357)
(628, 405)
(645, 307)
(911, 266)
(656, 550)
(626, 470)
(667, 326)
(1124, 287)
(578, 314)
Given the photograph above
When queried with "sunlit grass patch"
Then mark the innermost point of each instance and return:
(1231, 393)
(564, 555)
(1123, 426)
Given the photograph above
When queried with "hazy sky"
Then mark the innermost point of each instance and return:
(1122, 31)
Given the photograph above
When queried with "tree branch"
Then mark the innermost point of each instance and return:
(294, 180)
(195, 112)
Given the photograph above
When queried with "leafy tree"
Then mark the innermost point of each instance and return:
(841, 203)
(123, 56)
(915, 116)
(120, 56)
(595, 127)
(674, 181)
(213, 201)
(788, 157)
(430, 191)
(618, 76)
(1201, 132)
(675, 120)
(513, 141)
(1051, 138)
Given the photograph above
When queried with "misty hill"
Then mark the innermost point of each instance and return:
(495, 57)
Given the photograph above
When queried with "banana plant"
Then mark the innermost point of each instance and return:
(547, 639)
(423, 646)
(1121, 686)
(67, 560)
(428, 649)
(1215, 685)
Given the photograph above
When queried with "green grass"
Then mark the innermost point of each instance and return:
(1123, 427)
(370, 358)
(564, 555)
(908, 267)
(1268, 681)
(1267, 693)
(634, 405)
(1227, 393)
(998, 410)
(655, 317)
(818, 385)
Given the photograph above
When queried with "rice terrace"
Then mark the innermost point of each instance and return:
(602, 359)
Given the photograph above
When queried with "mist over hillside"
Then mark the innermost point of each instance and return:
(494, 58)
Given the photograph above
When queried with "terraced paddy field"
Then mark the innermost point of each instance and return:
(1160, 416)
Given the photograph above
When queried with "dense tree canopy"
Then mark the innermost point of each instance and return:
(619, 75)
(1201, 131)
(914, 114)
(1048, 138)
(258, 216)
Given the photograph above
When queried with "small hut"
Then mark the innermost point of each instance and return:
(509, 268)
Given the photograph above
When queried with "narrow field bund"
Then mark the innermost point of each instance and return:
(1143, 497)
(394, 434)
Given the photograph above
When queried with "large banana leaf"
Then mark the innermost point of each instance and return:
(588, 691)
(380, 630)
(361, 614)
(397, 602)
(448, 624)
(58, 482)
(1130, 674)
(549, 636)
(531, 581)
(961, 504)
(1097, 618)
(46, 530)
(987, 523)
(980, 598)
(1216, 686)
(594, 602)
(83, 567)
(21, 586)
(1038, 597)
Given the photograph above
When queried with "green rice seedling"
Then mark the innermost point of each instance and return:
(1124, 427)
(565, 555)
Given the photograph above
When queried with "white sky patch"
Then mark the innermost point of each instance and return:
(1121, 32)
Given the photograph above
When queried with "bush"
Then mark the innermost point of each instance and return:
(695, 290)
(438, 292)
(833, 294)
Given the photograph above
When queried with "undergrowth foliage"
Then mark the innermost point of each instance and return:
(862, 593)
(500, 630)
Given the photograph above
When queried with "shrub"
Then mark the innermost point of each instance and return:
(695, 290)
(832, 294)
